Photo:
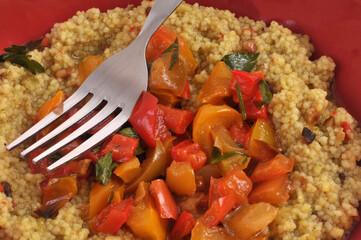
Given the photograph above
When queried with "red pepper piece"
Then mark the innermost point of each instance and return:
(183, 226)
(186, 94)
(187, 151)
(235, 182)
(219, 210)
(273, 168)
(161, 130)
(213, 192)
(123, 147)
(164, 199)
(112, 218)
(176, 119)
(252, 111)
(142, 118)
(241, 135)
(247, 83)
(39, 167)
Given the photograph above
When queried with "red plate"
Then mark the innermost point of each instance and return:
(334, 27)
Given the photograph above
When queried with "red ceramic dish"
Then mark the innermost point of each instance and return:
(334, 27)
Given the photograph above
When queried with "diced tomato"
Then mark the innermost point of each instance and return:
(143, 116)
(274, 191)
(123, 147)
(241, 134)
(187, 151)
(183, 226)
(164, 199)
(219, 210)
(235, 182)
(161, 130)
(213, 192)
(112, 218)
(39, 167)
(186, 94)
(176, 119)
(275, 167)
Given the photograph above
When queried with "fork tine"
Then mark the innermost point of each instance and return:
(48, 119)
(99, 117)
(85, 110)
(112, 126)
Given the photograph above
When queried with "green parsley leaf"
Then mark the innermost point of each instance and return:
(24, 61)
(129, 132)
(96, 149)
(266, 94)
(104, 168)
(55, 157)
(241, 61)
(239, 145)
(175, 54)
(241, 103)
(217, 156)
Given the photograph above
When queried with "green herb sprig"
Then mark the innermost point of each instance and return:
(241, 61)
(104, 168)
(266, 94)
(17, 54)
(217, 156)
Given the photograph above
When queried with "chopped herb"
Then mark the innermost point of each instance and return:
(104, 168)
(241, 61)
(217, 156)
(266, 94)
(308, 135)
(241, 103)
(16, 54)
(55, 157)
(239, 145)
(175, 54)
(129, 132)
(96, 149)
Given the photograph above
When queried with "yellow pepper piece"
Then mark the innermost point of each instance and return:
(127, 171)
(144, 218)
(262, 144)
(181, 178)
(207, 117)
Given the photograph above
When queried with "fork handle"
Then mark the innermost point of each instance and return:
(160, 11)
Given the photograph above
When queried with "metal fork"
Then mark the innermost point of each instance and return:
(118, 82)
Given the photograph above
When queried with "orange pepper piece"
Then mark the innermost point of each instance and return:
(162, 39)
(127, 171)
(50, 105)
(89, 64)
(181, 179)
(217, 86)
(249, 220)
(207, 117)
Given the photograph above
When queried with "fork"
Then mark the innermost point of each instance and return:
(118, 82)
